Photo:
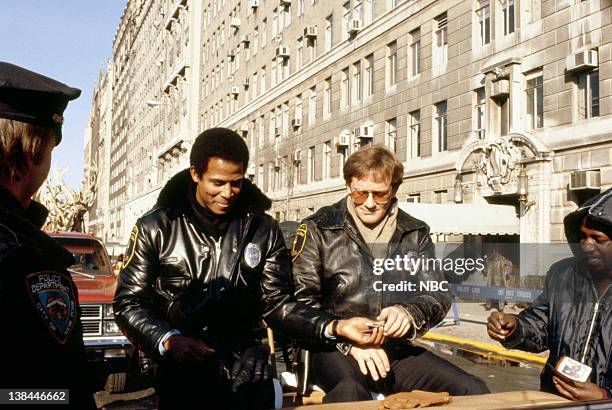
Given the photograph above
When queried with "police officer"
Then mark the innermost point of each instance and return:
(40, 324)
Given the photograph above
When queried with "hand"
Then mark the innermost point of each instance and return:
(252, 367)
(397, 321)
(371, 360)
(187, 349)
(500, 325)
(574, 390)
(356, 329)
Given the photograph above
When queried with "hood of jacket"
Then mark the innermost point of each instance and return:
(175, 191)
(598, 209)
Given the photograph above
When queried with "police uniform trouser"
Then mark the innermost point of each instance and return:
(204, 386)
(411, 368)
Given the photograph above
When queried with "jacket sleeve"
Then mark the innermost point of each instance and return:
(427, 309)
(532, 324)
(134, 298)
(282, 311)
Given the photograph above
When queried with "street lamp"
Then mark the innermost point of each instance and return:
(458, 190)
(522, 189)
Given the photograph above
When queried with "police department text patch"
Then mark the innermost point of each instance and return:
(55, 301)
(299, 241)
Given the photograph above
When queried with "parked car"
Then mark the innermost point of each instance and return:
(107, 349)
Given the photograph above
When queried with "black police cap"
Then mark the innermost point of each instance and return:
(29, 97)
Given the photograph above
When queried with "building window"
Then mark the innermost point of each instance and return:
(415, 134)
(479, 113)
(254, 85)
(300, 7)
(328, 32)
(440, 196)
(357, 10)
(312, 106)
(263, 79)
(391, 134)
(508, 13)
(262, 131)
(369, 75)
(588, 94)
(345, 90)
(391, 64)
(484, 22)
(534, 93)
(414, 52)
(300, 53)
(298, 107)
(327, 98)
(312, 46)
(286, 118)
(264, 32)
(255, 43)
(440, 122)
(391, 4)
(327, 151)
(356, 86)
(275, 27)
(441, 40)
(311, 164)
(368, 11)
(346, 20)
(274, 72)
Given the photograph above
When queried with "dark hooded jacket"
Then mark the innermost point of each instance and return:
(177, 276)
(569, 318)
(40, 321)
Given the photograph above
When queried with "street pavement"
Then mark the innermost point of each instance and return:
(465, 345)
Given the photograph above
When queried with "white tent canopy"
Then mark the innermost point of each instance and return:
(466, 219)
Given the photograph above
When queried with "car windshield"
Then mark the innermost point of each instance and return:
(89, 254)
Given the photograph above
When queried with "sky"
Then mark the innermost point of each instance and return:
(70, 41)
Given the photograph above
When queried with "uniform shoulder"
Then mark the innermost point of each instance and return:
(562, 267)
(9, 241)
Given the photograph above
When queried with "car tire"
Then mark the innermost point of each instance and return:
(115, 382)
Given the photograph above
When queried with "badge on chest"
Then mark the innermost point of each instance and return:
(252, 255)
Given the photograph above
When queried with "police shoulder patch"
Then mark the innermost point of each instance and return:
(55, 300)
(131, 246)
(299, 241)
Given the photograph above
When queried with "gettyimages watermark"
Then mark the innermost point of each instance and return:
(476, 272)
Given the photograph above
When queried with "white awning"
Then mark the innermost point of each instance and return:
(466, 219)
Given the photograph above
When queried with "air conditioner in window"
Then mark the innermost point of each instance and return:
(246, 82)
(310, 31)
(254, 4)
(235, 22)
(234, 90)
(364, 131)
(296, 122)
(342, 140)
(282, 51)
(277, 163)
(297, 155)
(580, 180)
(251, 170)
(285, 3)
(500, 88)
(354, 26)
(231, 54)
(584, 60)
(245, 39)
(244, 127)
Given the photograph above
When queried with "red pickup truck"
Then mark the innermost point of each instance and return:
(107, 349)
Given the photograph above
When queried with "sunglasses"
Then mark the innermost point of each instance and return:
(381, 198)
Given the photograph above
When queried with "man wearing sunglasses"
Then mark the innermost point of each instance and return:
(334, 258)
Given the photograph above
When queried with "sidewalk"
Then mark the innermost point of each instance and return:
(471, 335)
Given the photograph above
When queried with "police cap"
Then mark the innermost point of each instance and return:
(29, 97)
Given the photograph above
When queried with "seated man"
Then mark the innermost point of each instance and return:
(572, 316)
(335, 255)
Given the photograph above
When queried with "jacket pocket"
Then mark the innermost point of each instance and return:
(171, 287)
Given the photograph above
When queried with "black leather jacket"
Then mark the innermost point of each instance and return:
(569, 318)
(333, 271)
(178, 277)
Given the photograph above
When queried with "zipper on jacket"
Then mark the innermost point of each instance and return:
(592, 326)
(588, 340)
(217, 255)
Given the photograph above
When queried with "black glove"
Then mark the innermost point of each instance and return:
(252, 366)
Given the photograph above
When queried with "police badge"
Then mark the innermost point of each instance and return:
(252, 255)
(55, 301)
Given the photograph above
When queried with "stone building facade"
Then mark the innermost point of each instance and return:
(487, 102)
